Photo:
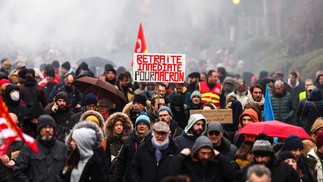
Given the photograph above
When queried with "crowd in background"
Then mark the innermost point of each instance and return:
(152, 136)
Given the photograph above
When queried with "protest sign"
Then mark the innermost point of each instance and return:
(154, 67)
(223, 116)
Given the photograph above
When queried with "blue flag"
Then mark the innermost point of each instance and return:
(268, 109)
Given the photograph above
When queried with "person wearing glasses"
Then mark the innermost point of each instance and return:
(215, 133)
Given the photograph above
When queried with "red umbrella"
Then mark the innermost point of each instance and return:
(274, 129)
(100, 88)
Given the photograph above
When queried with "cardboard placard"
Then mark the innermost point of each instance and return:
(152, 67)
(223, 116)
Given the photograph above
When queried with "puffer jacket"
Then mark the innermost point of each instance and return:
(115, 141)
(313, 108)
(283, 107)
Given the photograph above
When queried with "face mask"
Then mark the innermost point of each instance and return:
(15, 96)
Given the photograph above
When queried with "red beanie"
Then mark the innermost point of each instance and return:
(319, 139)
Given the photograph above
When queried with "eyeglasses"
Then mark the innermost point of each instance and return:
(216, 133)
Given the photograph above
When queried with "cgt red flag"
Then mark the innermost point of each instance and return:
(141, 42)
(10, 132)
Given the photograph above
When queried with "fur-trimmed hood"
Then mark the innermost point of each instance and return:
(86, 124)
(109, 124)
(93, 113)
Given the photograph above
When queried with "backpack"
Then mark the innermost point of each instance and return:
(30, 96)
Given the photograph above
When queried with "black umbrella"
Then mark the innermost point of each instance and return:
(96, 61)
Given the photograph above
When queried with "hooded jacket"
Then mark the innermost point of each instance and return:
(89, 167)
(187, 139)
(238, 139)
(97, 147)
(216, 168)
(93, 113)
(14, 106)
(115, 141)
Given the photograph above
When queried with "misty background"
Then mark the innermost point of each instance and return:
(253, 35)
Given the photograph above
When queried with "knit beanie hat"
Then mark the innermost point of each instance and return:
(286, 155)
(262, 148)
(165, 108)
(317, 125)
(90, 99)
(62, 95)
(196, 93)
(292, 142)
(93, 119)
(143, 118)
(109, 67)
(44, 120)
(66, 65)
(140, 99)
(319, 139)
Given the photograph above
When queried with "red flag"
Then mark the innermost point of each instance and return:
(141, 41)
(10, 132)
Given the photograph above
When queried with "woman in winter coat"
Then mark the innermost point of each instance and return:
(117, 129)
(97, 147)
(83, 164)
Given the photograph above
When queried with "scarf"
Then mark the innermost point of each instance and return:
(159, 149)
(141, 136)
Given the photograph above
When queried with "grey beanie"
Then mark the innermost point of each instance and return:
(262, 147)
(196, 93)
(165, 108)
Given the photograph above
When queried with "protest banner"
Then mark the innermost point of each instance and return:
(223, 116)
(154, 67)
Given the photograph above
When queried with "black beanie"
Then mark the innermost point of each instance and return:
(140, 99)
(66, 65)
(177, 99)
(62, 95)
(109, 67)
(44, 120)
(50, 72)
(286, 155)
(292, 142)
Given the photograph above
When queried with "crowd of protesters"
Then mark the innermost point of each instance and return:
(152, 136)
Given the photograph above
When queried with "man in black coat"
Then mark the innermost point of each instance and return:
(203, 163)
(140, 134)
(60, 110)
(48, 163)
(152, 160)
(264, 154)
(215, 133)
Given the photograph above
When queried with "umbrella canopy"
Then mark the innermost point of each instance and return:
(100, 88)
(274, 129)
(96, 61)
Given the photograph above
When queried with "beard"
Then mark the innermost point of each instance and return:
(160, 143)
(47, 137)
